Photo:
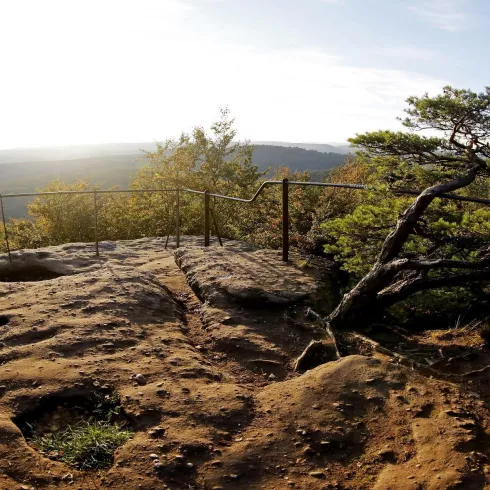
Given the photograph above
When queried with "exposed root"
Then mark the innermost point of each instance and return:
(470, 373)
(321, 351)
(408, 361)
(326, 326)
(318, 351)
(266, 361)
(405, 360)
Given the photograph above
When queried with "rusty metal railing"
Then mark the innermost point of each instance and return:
(208, 211)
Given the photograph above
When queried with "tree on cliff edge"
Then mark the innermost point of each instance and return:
(455, 155)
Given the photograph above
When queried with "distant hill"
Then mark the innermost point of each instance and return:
(345, 148)
(295, 158)
(107, 171)
(321, 147)
(119, 169)
(75, 152)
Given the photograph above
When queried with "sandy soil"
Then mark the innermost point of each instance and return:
(220, 405)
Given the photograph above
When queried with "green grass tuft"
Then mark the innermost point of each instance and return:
(86, 445)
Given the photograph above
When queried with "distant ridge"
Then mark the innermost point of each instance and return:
(75, 152)
(321, 147)
(72, 152)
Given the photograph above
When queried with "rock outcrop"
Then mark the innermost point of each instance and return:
(208, 382)
(241, 274)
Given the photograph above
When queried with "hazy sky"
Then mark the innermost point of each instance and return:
(95, 71)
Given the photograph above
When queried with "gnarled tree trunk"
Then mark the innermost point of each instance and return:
(386, 284)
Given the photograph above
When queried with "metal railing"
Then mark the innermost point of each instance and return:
(208, 212)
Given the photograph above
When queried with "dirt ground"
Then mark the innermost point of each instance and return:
(214, 334)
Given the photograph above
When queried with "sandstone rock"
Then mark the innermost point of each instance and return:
(317, 474)
(243, 274)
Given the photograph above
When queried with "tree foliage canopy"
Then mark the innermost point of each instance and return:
(402, 247)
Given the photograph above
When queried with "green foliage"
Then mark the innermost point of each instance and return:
(398, 160)
(64, 218)
(451, 230)
(453, 105)
(90, 441)
(261, 222)
(459, 122)
(105, 407)
(86, 445)
(24, 233)
(355, 238)
(197, 161)
(424, 309)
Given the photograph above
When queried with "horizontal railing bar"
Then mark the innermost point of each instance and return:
(64, 193)
(256, 195)
(328, 184)
(455, 197)
(136, 190)
(192, 191)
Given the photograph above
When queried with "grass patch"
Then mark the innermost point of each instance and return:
(86, 445)
(81, 430)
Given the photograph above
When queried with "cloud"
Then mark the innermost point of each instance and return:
(292, 94)
(448, 15)
(410, 52)
(147, 73)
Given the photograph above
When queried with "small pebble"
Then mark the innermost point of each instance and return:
(316, 474)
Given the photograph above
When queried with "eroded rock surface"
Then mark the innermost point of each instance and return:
(208, 384)
(251, 298)
(355, 423)
(241, 274)
(96, 326)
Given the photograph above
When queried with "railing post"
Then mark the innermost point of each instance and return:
(215, 222)
(95, 221)
(206, 219)
(5, 230)
(285, 220)
(177, 218)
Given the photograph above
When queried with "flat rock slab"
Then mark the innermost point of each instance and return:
(237, 273)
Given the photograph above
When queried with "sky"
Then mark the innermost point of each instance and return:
(107, 71)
